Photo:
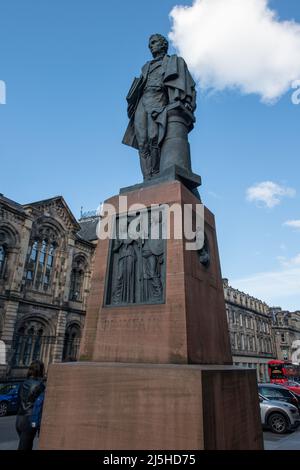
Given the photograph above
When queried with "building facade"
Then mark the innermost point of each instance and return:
(286, 332)
(46, 260)
(250, 329)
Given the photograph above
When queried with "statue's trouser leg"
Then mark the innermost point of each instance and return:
(141, 132)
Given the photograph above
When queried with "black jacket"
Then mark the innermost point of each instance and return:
(29, 390)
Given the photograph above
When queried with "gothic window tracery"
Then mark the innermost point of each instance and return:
(77, 278)
(31, 341)
(40, 263)
(71, 342)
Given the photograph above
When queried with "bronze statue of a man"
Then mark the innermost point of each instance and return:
(164, 86)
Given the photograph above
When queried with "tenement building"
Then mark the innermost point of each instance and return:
(45, 268)
(286, 332)
(250, 328)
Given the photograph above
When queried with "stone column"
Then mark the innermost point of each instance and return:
(258, 372)
(11, 314)
(176, 148)
(58, 346)
(68, 269)
(266, 373)
(18, 258)
(87, 283)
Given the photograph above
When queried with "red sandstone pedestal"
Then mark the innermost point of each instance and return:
(137, 387)
(145, 406)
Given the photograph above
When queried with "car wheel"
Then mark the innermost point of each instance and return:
(278, 423)
(3, 408)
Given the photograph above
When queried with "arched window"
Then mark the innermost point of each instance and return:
(28, 347)
(71, 343)
(77, 278)
(40, 264)
(2, 260)
(31, 342)
(37, 345)
(76, 285)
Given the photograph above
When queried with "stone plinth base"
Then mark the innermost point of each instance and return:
(190, 326)
(143, 406)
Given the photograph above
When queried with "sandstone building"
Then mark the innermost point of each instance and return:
(250, 328)
(45, 268)
(286, 332)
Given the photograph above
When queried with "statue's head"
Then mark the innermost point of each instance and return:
(158, 45)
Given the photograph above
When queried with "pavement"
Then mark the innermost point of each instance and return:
(9, 437)
(290, 441)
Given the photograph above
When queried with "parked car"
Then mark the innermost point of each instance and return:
(279, 393)
(9, 398)
(293, 386)
(278, 416)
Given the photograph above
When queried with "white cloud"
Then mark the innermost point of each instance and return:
(289, 263)
(275, 288)
(268, 193)
(238, 44)
(293, 223)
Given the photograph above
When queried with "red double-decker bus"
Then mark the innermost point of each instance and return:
(282, 371)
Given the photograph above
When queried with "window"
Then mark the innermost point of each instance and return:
(71, 343)
(40, 264)
(2, 260)
(282, 337)
(31, 342)
(273, 393)
(76, 283)
(243, 342)
(270, 392)
(77, 278)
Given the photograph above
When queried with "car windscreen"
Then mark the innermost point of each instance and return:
(8, 388)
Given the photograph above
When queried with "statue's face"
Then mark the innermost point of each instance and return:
(156, 46)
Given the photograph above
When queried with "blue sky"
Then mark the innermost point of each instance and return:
(68, 64)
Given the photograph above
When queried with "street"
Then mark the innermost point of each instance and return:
(8, 434)
(290, 441)
(9, 437)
